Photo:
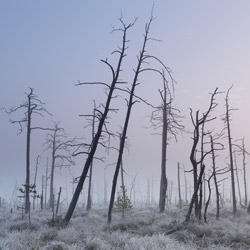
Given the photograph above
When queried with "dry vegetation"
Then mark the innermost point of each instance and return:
(143, 229)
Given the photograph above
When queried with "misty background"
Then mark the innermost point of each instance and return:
(50, 45)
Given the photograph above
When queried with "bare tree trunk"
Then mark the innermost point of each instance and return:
(35, 180)
(46, 182)
(58, 200)
(42, 196)
(52, 171)
(201, 163)
(27, 183)
(179, 186)
(186, 186)
(227, 120)
(244, 171)
(89, 199)
(204, 187)
(215, 180)
(123, 191)
(195, 194)
(208, 200)
(164, 182)
(237, 178)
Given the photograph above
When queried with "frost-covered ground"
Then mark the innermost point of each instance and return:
(143, 229)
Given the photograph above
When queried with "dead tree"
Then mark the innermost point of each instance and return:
(237, 177)
(33, 106)
(198, 123)
(60, 154)
(130, 103)
(37, 163)
(227, 119)
(179, 185)
(215, 172)
(209, 197)
(194, 196)
(46, 182)
(143, 59)
(58, 200)
(167, 117)
(102, 115)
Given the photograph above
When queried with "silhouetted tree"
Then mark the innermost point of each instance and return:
(37, 163)
(60, 154)
(227, 120)
(167, 118)
(33, 106)
(198, 124)
(179, 185)
(102, 115)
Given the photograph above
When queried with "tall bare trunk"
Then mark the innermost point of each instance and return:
(179, 186)
(237, 178)
(27, 183)
(227, 120)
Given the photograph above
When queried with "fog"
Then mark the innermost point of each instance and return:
(49, 46)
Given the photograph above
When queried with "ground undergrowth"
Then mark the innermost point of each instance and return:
(142, 229)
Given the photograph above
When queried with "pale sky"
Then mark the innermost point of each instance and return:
(50, 45)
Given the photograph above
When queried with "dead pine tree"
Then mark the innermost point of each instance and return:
(227, 120)
(102, 114)
(197, 177)
(37, 163)
(179, 186)
(168, 119)
(33, 106)
(130, 103)
(237, 177)
(59, 146)
(142, 59)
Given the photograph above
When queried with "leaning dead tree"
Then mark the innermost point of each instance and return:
(59, 146)
(142, 59)
(130, 103)
(167, 118)
(33, 106)
(102, 114)
(198, 123)
(227, 120)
